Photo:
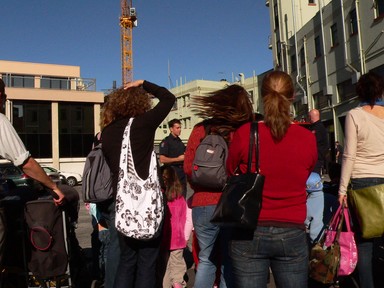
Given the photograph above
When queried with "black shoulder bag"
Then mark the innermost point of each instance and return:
(240, 202)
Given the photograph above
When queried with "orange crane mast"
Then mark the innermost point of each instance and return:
(128, 21)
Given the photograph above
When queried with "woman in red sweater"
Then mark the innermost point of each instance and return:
(287, 156)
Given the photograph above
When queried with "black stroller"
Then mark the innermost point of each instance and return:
(48, 257)
(39, 246)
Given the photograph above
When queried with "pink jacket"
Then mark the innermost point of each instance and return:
(177, 216)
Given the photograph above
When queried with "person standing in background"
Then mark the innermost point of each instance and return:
(172, 152)
(363, 159)
(318, 128)
(339, 152)
(315, 201)
(224, 111)
(176, 232)
(288, 155)
(132, 104)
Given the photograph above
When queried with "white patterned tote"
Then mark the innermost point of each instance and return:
(139, 202)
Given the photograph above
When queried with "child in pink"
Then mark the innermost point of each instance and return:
(177, 229)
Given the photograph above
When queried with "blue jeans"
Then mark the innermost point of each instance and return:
(207, 234)
(104, 243)
(284, 250)
(364, 246)
(137, 267)
(113, 254)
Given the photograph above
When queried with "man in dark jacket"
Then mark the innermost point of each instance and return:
(318, 128)
(172, 151)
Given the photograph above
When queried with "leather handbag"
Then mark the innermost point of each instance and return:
(324, 260)
(348, 249)
(240, 202)
(368, 205)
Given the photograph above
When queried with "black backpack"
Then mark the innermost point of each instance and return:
(97, 177)
(208, 166)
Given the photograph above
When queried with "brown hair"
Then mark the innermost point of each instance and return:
(123, 103)
(173, 187)
(370, 87)
(277, 91)
(226, 108)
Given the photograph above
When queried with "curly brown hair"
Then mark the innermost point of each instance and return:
(125, 103)
(277, 91)
(227, 109)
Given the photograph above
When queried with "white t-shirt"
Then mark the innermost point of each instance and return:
(363, 155)
(11, 146)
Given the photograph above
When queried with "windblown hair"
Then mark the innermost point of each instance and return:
(173, 187)
(277, 91)
(370, 88)
(226, 109)
(125, 103)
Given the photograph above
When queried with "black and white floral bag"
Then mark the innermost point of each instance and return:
(139, 202)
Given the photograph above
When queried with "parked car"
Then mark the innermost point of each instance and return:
(8, 171)
(53, 174)
(72, 179)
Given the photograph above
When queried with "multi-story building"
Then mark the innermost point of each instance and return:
(185, 92)
(326, 46)
(54, 110)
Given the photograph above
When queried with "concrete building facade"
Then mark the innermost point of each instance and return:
(54, 110)
(327, 52)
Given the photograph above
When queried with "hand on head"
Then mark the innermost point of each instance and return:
(136, 83)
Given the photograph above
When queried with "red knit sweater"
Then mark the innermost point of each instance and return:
(286, 166)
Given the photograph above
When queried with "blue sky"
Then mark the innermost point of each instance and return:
(200, 39)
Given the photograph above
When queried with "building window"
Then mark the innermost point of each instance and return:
(76, 129)
(353, 22)
(33, 122)
(55, 83)
(278, 52)
(334, 37)
(293, 63)
(346, 90)
(311, 2)
(317, 47)
(321, 101)
(21, 81)
(276, 14)
(379, 8)
(300, 108)
(302, 57)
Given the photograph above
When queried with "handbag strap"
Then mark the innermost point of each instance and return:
(335, 218)
(253, 141)
(347, 219)
(335, 224)
(340, 225)
(257, 141)
(252, 134)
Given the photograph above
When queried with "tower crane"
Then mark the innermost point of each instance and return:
(128, 21)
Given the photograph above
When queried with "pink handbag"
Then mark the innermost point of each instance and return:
(348, 249)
